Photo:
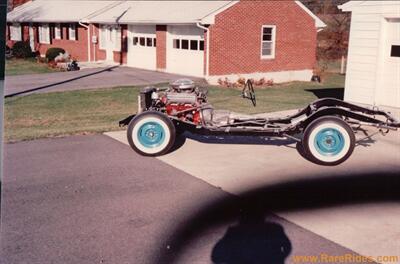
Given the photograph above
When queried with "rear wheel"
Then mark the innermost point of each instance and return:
(151, 134)
(328, 141)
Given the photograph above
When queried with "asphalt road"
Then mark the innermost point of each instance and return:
(90, 199)
(107, 77)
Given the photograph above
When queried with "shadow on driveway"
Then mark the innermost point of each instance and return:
(265, 239)
(253, 240)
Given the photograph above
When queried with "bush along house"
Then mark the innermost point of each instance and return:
(217, 40)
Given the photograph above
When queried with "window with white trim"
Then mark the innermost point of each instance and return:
(57, 31)
(15, 32)
(268, 36)
(72, 32)
(44, 34)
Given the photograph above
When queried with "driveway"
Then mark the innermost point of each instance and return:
(91, 199)
(85, 79)
(368, 182)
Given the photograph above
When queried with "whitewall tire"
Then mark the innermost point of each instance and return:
(328, 141)
(151, 134)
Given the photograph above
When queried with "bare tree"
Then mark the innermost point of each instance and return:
(323, 7)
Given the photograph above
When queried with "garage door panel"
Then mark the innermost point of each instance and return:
(142, 46)
(185, 50)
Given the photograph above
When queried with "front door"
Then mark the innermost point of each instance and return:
(110, 38)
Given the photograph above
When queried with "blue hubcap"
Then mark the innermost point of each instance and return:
(329, 142)
(151, 134)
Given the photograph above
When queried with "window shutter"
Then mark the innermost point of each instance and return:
(52, 34)
(37, 34)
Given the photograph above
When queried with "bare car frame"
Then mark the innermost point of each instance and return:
(325, 128)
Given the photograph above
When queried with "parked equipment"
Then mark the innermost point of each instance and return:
(73, 66)
(325, 128)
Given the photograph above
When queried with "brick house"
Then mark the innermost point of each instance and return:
(212, 39)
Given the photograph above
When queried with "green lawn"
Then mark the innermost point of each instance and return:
(26, 66)
(93, 111)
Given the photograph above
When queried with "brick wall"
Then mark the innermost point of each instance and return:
(161, 49)
(205, 52)
(235, 38)
(76, 48)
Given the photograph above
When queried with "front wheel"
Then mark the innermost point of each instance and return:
(151, 134)
(328, 141)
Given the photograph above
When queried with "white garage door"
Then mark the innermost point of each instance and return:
(142, 47)
(185, 50)
(389, 92)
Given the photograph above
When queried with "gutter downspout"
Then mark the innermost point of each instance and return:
(199, 25)
(88, 39)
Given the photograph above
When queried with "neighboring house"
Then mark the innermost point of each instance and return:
(252, 39)
(373, 63)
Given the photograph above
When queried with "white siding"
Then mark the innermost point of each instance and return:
(372, 76)
(362, 58)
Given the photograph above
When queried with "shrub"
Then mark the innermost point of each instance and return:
(52, 53)
(22, 49)
(241, 81)
(260, 82)
(270, 82)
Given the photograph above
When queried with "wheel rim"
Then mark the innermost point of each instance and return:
(329, 142)
(151, 134)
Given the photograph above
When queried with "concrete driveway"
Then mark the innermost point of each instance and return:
(91, 199)
(85, 79)
(239, 166)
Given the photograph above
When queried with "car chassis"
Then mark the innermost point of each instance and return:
(326, 126)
